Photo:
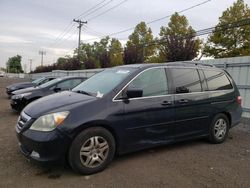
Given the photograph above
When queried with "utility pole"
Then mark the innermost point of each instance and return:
(30, 60)
(80, 22)
(42, 53)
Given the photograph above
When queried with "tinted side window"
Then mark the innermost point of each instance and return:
(44, 81)
(217, 80)
(186, 80)
(64, 85)
(153, 82)
(75, 82)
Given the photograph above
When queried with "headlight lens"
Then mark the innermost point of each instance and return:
(49, 122)
(20, 96)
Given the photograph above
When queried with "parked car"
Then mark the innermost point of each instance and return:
(129, 108)
(23, 85)
(23, 97)
(1, 74)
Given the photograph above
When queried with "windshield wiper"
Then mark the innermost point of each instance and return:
(84, 92)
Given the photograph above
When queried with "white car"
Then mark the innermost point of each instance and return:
(1, 74)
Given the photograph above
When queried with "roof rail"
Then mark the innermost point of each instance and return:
(197, 63)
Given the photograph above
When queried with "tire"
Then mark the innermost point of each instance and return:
(219, 129)
(91, 151)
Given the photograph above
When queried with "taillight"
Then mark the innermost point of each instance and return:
(239, 100)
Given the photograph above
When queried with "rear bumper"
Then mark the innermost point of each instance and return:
(43, 147)
(236, 116)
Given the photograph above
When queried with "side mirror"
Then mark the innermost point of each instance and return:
(134, 92)
(182, 89)
(57, 89)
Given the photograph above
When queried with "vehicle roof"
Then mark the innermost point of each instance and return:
(71, 77)
(170, 64)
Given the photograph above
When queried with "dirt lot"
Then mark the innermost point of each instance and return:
(190, 164)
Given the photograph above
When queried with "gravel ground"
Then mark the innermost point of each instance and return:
(188, 164)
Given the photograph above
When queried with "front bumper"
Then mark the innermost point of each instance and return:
(9, 91)
(17, 104)
(43, 147)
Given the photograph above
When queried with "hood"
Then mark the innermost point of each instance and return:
(21, 85)
(26, 90)
(53, 102)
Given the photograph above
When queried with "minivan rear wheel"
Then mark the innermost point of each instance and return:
(219, 129)
(92, 150)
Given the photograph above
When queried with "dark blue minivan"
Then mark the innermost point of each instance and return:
(129, 108)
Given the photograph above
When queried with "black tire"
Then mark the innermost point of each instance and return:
(85, 138)
(215, 136)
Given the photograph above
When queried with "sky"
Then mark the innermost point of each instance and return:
(30, 26)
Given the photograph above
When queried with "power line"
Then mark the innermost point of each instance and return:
(158, 19)
(90, 9)
(80, 22)
(69, 37)
(42, 53)
(69, 27)
(210, 30)
(61, 36)
(117, 5)
(98, 8)
(201, 32)
(181, 11)
(92, 31)
(206, 31)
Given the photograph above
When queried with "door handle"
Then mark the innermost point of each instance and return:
(166, 103)
(183, 101)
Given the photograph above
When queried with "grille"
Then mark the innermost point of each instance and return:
(23, 120)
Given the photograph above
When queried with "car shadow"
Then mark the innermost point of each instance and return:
(56, 171)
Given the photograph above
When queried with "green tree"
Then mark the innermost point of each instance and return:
(105, 53)
(14, 64)
(177, 40)
(230, 42)
(101, 52)
(88, 56)
(62, 60)
(140, 41)
(95, 55)
(115, 52)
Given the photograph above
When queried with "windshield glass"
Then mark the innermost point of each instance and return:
(37, 81)
(50, 82)
(104, 82)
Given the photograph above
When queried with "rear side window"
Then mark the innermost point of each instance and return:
(153, 82)
(217, 80)
(186, 80)
(64, 85)
(75, 82)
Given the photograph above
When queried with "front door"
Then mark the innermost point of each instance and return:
(148, 119)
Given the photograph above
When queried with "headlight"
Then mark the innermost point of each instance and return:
(49, 122)
(20, 96)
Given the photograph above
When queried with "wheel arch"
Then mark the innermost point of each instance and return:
(99, 123)
(229, 117)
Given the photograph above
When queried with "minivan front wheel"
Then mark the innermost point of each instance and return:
(219, 129)
(92, 150)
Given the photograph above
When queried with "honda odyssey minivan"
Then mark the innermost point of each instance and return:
(129, 108)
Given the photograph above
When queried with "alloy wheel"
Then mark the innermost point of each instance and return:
(220, 128)
(94, 152)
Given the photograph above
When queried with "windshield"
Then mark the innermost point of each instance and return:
(103, 82)
(50, 82)
(37, 81)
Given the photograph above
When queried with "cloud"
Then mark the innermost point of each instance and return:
(13, 40)
(57, 51)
